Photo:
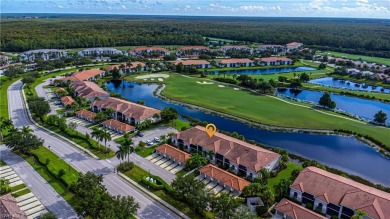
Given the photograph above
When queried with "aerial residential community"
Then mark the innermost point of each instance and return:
(232, 111)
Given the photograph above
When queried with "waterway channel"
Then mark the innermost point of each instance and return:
(340, 152)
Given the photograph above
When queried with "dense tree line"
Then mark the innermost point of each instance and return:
(345, 35)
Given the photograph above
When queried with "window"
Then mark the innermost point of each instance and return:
(295, 196)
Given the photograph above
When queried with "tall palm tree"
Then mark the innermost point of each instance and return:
(128, 148)
(106, 136)
(120, 153)
(97, 133)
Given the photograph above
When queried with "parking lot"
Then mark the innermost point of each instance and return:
(149, 135)
(85, 123)
(165, 163)
(214, 187)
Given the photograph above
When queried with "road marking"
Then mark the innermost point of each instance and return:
(108, 161)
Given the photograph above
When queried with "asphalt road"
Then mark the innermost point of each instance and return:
(83, 163)
(38, 185)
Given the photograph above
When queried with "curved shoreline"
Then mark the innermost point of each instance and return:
(380, 150)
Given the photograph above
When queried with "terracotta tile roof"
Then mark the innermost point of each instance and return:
(234, 47)
(9, 207)
(60, 89)
(86, 114)
(226, 61)
(175, 153)
(296, 211)
(85, 75)
(185, 48)
(274, 59)
(67, 100)
(192, 62)
(127, 108)
(225, 177)
(135, 64)
(339, 190)
(237, 151)
(150, 49)
(118, 125)
(270, 46)
(294, 44)
(111, 67)
(88, 89)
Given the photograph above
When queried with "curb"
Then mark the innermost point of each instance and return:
(153, 196)
(27, 111)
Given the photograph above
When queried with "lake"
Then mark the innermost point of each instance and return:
(340, 152)
(265, 70)
(330, 82)
(361, 107)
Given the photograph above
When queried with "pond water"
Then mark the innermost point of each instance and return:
(330, 82)
(266, 70)
(344, 153)
(361, 107)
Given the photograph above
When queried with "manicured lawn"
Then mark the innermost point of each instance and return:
(259, 108)
(179, 124)
(377, 60)
(145, 152)
(21, 192)
(362, 80)
(80, 140)
(4, 84)
(53, 181)
(18, 187)
(284, 174)
(137, 174)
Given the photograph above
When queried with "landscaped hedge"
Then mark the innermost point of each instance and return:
(226, 80)
(159, 185)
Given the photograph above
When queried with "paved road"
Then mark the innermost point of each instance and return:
(83, 163)
(38, 185)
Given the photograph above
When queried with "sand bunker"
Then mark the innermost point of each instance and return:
(236, 88)
(152, 76)
(221, 85)
(204, 82)
(160, 79)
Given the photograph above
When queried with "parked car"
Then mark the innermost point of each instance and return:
(57, 103)
(157, 139)
(149, 142)
(140, 134)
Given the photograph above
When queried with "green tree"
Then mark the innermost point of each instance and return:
(223, 205)
(281, 189)
(326, 101)
(183, 187)
(252, 189)
(97, 133)
(73, 125)
(380, 117)
(264, 175)
(48, 215)
(101, 116)
(196, 160)
(106, 136)
(267, 196)
(127, 145)
(38, 106)
(4, 187)
(169, 114)
(304, 77)
(120, 153)
(359, 214)
(22, 142)
(243, 212)
(115, 73)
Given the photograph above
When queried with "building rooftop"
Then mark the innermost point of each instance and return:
(127, 108)
(234, 47)
(274, 59)
(9, 206)
(175, 153)
(67, 100)
(149, 49)
(237, 151)
(296, 211)
(118, 125)
(185, 48)
(100, 49)
(339, 190)
(226, 61)
(42, 51)
(86, 114)
(192, 62)
(225, 177)
(87, 89)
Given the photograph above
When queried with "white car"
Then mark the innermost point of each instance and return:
(157, 139)
(149, 142)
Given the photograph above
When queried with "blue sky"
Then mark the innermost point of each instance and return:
(265, 8)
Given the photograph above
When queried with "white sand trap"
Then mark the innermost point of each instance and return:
(152, 76)
(152, 79)
(144, 79)
(221, 85)
(204, 82)
(236, 88)
(160, 79)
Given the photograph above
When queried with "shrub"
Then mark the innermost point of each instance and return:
(47, 161)
(61, 172)
(309, 205)
(261, 210)
(226, 80)
(126, 166)
(126, 135)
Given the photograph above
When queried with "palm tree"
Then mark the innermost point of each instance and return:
(26, 130)
(359, 214)
(97, 133)
(120, 153)
(5, 124)
(106, 136)
(128, 148)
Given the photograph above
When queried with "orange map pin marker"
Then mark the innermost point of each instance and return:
(211, 129)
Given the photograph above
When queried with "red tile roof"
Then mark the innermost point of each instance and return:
(83, 75)
(149, 49)
(225, 177)
(175, 153)
(274, 59)
(185, 48)
(339, 190)
(127, 108)
(227, 61)
(192, 62)
(118, 125)
(60, 89)
(88, 89)
(67, 100)
(135, 64)
(296, 211)
(237, 151)
(294, 44)
(86, 114)
(111, 67)
(10, 209)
